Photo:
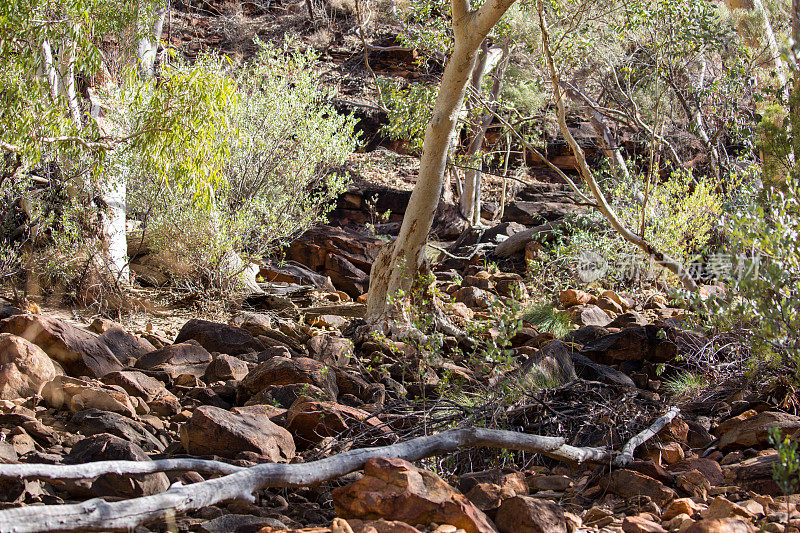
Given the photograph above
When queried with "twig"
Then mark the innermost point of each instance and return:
(630, 447)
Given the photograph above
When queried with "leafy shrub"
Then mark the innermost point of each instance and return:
(410, 107)
(284, 141)
(682, 213)
(764, 281)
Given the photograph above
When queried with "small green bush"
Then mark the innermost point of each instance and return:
(285, 141)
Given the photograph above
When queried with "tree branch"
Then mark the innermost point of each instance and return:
(99, 468)
(630, 447)
(99, 515)
(602, 204)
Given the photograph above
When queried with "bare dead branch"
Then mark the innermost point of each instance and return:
(99, 515)
(630, 447)
(99, 468)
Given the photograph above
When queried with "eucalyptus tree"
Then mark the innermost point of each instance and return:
(397, 264)
(77, 94)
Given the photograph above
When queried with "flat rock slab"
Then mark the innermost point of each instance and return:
(79, 352)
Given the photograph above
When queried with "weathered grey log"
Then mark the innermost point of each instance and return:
(99, 515)
(99, 468)
(516, 243)
(630, 447)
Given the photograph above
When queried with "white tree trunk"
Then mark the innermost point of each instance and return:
(148, 45)
(470, 200)
(397, 264)
(66, 66)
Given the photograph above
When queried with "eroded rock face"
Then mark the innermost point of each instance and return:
(330, 349)
(310, 421)
(105, 447)
(285, 371)
(720, 525)
(224, 368)
(78, 394)
(395, 489)
(214, 431)
(24, 368)
(216, 337)
(125, 346)
(150, 390)
(345, 256)
(589, 315)
(635, 343)
(182, 358)
(751, 429)
(524, 514)
(628, 484)
(79, 352)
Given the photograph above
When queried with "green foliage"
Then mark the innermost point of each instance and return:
(548, 319)
(786, 471)
(283, 141)
(29, 112)
(682, 212)
(289, 141)
(409, 110)
(179, 124)
(507, 320)
(764, 279)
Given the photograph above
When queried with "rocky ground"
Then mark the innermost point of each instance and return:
(288, 379)
(282, 383)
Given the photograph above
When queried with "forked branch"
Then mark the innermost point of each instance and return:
(242, 483)
(588, 176)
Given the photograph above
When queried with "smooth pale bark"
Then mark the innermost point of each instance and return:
(601, 204)
(761, 37)
(114, 188)
(99, 515)
(398, 263)
(148, 44)
(470, 200)
(50, 69)
(66, 65)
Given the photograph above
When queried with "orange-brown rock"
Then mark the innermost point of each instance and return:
(635, 343)
(685, 506)
(720, 525)
(311, 420)
(79, 352)
(221, 338)
(285, 371)
(215, 431)
(750, 429)
(641, 524)
(524, 514)
(395, 489)
(176, 359)
(628, 484)
(570, 297)
(24, 368)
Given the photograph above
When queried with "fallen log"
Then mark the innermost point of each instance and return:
(100, 515)
(516, 243)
